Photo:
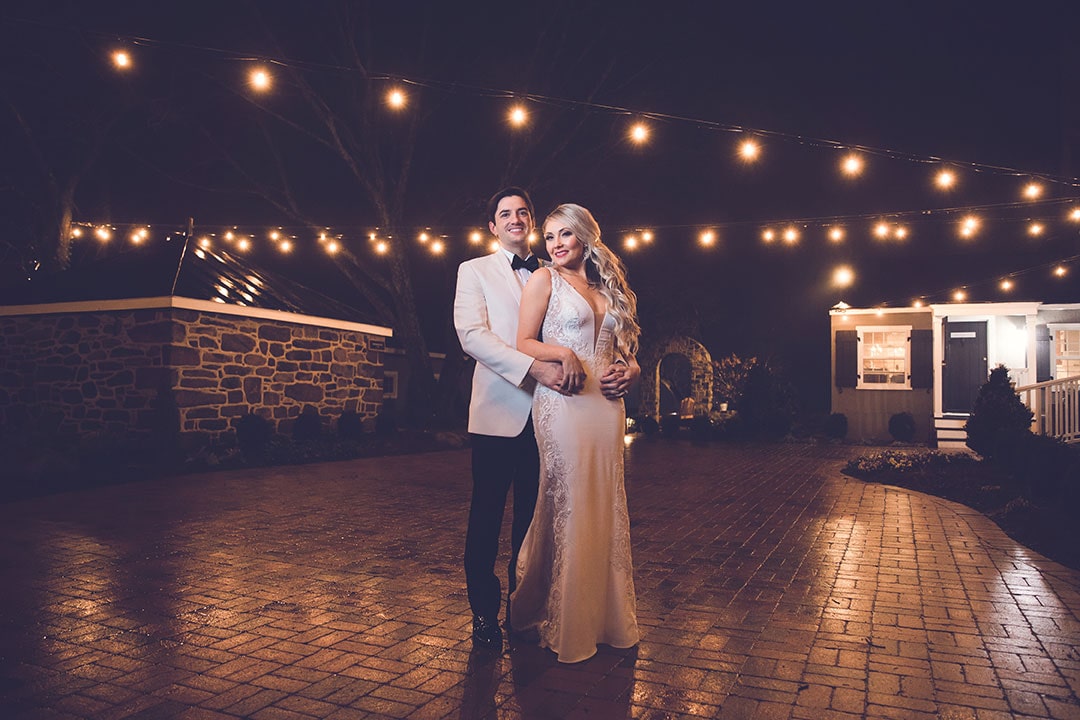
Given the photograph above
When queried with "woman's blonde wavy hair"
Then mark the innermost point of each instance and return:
(603, 268)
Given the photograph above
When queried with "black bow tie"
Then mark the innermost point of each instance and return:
(530, 263)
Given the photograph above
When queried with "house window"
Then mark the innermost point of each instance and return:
(884, 358)
(389, 384)
(1067, 353)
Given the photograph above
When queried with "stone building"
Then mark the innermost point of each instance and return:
(160, 343)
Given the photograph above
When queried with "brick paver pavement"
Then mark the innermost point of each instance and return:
(769, 586)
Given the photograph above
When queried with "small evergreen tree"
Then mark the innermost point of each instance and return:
(999, 420)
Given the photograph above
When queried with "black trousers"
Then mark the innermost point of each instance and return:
(498, 463)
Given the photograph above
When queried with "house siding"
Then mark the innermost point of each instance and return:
(868, 411)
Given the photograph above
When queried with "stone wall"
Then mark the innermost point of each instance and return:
(701, 374)
(140, 370)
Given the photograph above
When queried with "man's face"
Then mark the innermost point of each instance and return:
(513, 223)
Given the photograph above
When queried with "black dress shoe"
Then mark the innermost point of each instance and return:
(486, 632)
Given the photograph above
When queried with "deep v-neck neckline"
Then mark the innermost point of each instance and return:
(597, 319)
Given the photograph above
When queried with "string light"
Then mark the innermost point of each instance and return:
(518, 116)
(274, 235)
(707, 238)
(646, 236)
(424, 237)
(1060, 271)
(396, 98)
(1006, 285)
(843, 276)
(244, 244)
(1033, 191)
(475, 237)
(1074, 214)
(121, 59)
(332, 247)
(493, 246)
(639, 133)
(945, 179)
(852, 165)
(103, 233)
(630, 242)
(229, 235)
(76, 232)
(1035, 229)
(791, 235)
(900, 232)
(204, 242)
(969, 226)
(881, 230)
(260, 79)
(959, 296)
(285, 246)
(749, 151)
(381, 247)
(768, 235)
(437, 247)
(836, 233)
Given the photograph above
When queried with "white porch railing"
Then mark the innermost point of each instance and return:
(1056, 406)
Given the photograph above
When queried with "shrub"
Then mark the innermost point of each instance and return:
(836, 426)
(999, 420)
(768, 404)
(253, 434)
(308, 427)
(350, 426)
(902, 427)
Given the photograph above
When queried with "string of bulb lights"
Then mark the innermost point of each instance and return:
(968, 222)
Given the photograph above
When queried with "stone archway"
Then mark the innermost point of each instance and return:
(681, 367)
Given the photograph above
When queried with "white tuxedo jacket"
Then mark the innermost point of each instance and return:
(486, 318)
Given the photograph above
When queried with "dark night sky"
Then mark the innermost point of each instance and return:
(991, 83)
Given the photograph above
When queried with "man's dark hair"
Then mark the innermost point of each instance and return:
(512, 191)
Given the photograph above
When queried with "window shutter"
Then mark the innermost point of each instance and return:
(847, 358)
(922, 359)
(1043, 371)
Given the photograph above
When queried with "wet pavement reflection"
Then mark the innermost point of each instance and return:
(769, 585)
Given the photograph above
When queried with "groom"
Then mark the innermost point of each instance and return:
(503, 446)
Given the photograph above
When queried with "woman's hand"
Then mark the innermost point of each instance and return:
(573, 373)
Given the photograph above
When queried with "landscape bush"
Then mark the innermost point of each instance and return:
(902, 427)
(836, 426)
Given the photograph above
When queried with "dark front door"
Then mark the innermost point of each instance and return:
(965, 365)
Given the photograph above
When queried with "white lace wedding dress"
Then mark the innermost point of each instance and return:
(575, 575)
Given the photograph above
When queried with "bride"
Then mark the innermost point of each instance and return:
(575, 575)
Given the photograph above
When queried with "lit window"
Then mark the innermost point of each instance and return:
(884, 358)
(1067, 353)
